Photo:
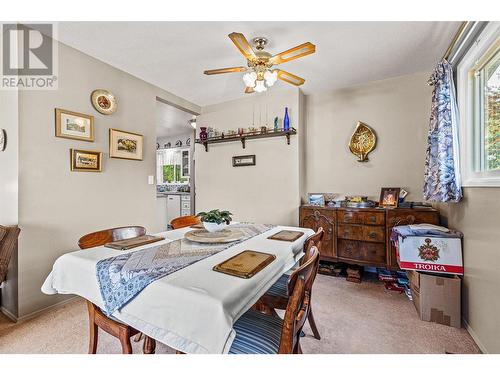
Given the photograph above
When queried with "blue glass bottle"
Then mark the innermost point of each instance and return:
(286, 121)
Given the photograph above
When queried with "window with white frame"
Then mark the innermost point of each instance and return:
(479, 103)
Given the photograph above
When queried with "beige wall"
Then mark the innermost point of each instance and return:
(397, 109)
(478, 217)
(57, 206)
(266, 193)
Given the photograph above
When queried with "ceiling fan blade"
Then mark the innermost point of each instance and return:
(290, 78)
(241, 42)
(225, 70)
(293, 53)
(249, 90)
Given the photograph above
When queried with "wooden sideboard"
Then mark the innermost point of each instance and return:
(361, 235)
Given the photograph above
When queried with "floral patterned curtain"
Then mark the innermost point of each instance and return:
(442, 172)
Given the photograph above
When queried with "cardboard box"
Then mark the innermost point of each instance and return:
(437, 298)
(430, 254)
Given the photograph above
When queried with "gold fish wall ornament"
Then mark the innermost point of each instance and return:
(363, 141)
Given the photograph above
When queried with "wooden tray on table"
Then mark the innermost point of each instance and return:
(133, 242)
(286, 235)
(245, 264)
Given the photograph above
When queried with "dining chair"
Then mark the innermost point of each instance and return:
(97, 319)
(184, 221)
(277, 296)
(8, 241)
(259, 333)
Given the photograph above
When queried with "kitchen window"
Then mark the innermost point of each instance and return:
(479, 103)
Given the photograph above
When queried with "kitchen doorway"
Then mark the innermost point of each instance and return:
(175, 181)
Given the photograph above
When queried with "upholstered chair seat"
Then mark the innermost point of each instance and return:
(257, 333)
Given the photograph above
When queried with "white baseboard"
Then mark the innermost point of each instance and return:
(38, 312)
(475, 337)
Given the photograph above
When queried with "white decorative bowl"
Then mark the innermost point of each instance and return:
(214, 227)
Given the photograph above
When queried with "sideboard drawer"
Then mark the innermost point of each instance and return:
(373, 234)
(350, 216)
(362, 251)
(374, 218)
(348, 249)
(350, 232)
(358, 217)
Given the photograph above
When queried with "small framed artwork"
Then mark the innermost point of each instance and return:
(125, 145)
(389, 197)
(86, 161)
(103, 101)
(243, 160)
(74, 125)
(316, 199)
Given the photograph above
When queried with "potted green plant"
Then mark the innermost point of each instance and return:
(215, 220)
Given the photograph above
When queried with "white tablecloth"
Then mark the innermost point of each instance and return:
(191, 310)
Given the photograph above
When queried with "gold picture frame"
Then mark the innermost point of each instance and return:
(85, 160)
(74, 125)
(389, 197)
(125, 145)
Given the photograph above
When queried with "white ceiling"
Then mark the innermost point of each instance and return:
(171, 121)
(173, 55)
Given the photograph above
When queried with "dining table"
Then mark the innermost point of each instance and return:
(194, 308)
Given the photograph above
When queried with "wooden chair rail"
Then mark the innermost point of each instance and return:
(110, 235)
(184, 221)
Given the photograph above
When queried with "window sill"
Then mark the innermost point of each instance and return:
(481, 182)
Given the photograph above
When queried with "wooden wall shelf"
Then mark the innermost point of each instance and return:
(243, 137)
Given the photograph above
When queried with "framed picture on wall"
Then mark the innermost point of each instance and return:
(243, 160)
(389, 197)
(125, 145)
(85, 161)
(74, 125)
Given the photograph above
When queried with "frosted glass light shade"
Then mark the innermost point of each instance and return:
(249, 79)
(260, 86)
(270, 77)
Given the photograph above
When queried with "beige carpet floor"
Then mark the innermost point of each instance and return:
(352, 318)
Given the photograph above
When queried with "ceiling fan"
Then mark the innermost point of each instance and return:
(259, 75)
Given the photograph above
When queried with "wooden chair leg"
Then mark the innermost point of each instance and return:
(312, 323)
(149, 345)
(124, 337)
(93, 330)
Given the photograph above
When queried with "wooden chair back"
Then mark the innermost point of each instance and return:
(298, 306)
(8, 240)
(184, 221)
(314, 240)
(110, 235)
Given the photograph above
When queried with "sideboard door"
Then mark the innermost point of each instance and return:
(316, 217)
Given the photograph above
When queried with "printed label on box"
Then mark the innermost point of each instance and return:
(441, 255)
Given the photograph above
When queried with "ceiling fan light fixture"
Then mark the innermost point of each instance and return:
(260, 86)
(271, 77)
(249, 79)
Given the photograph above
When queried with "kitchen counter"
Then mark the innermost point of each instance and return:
(164, 194)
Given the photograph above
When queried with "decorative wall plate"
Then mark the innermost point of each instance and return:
(104, 101)
(363, 141)
(3, 139)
